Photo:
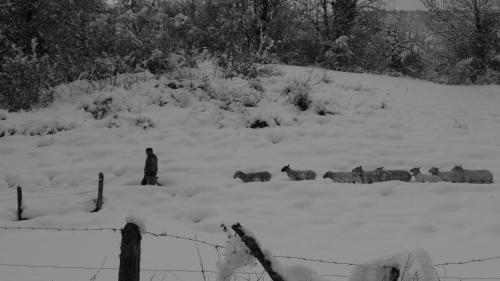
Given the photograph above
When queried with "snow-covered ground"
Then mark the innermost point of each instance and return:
(378, 121)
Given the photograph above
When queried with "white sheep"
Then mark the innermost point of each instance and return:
(343, 177)
(474, 176)
(250, 177)
(299, 175)
(419, 177)
(451, 176)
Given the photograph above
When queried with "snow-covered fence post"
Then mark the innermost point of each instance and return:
(98, 202)
(130, 253)
(19, 203)
(255, 251)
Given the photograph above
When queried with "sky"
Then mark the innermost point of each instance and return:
(405, 4)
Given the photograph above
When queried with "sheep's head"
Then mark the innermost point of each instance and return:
(286, 168)
(327, 175)
(358, 170)
(237, 174)
(415, 171)
(434, 170)
(458, 169)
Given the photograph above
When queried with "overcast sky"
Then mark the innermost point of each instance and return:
(405, 4)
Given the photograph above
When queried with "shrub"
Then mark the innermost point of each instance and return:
(297, 92)
(106, 104)
(256, 85)
(144, 122)
(37, 128)
(158, 63)
(230, 96)
(324, 107)
(3, 114)
(235, 64)
(462, 72)
(489, 77)
(99, 107)
(339, 55)
(25, 81)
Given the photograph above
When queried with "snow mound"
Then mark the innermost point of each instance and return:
(235, 255)
(412, 265)
(301, 273)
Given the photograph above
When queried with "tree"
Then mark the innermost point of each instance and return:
(468, 29)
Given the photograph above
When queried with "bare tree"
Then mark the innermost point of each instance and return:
(468, 28)
(334, 18)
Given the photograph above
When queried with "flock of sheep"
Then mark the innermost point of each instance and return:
(358, 175)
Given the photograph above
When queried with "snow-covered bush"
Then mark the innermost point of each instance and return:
(235, 256)
(298, 94)
(107, 103)
(259, 118)
(339, 55)
(230, 96)
(100, 107)
(144, 122)
(113, 122)
(233, 65)
(324, 107)
(37, 128)
(462, 72)
(3, 114)
(159, 63)
(256, 85)
(409, 266)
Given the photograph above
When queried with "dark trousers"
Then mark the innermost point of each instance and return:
(149, 180)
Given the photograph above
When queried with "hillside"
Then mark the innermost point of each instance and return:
(201, 135)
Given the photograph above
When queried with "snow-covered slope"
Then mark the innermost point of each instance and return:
(376, 121)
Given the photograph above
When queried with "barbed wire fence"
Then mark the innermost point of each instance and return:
(217, 248)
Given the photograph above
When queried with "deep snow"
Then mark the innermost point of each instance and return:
(379, 121)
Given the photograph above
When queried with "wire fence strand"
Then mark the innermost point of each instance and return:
(468, 261)
(199, 271)
(218, 246)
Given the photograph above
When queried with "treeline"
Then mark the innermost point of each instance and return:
(47, 42)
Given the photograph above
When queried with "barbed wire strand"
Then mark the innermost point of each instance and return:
(468, 261)
(60, 229)
(218, 246)
(164, 234)
(199, 271)
(318, 260)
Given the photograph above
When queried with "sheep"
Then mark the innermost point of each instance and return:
(382, 175)
(419, 177)
(451, 176)
(366, 176)
(474, 176)
(299, 175)
(250, 177)
(343, 177)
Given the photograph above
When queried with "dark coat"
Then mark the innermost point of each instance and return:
(151, 166)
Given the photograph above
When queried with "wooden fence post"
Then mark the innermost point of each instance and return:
(255, 251)
(130, 253)
(19, 203)
(98, 202)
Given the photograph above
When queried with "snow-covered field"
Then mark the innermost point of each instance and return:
(378, 121)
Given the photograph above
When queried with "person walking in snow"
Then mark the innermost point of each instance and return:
(150, 168)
